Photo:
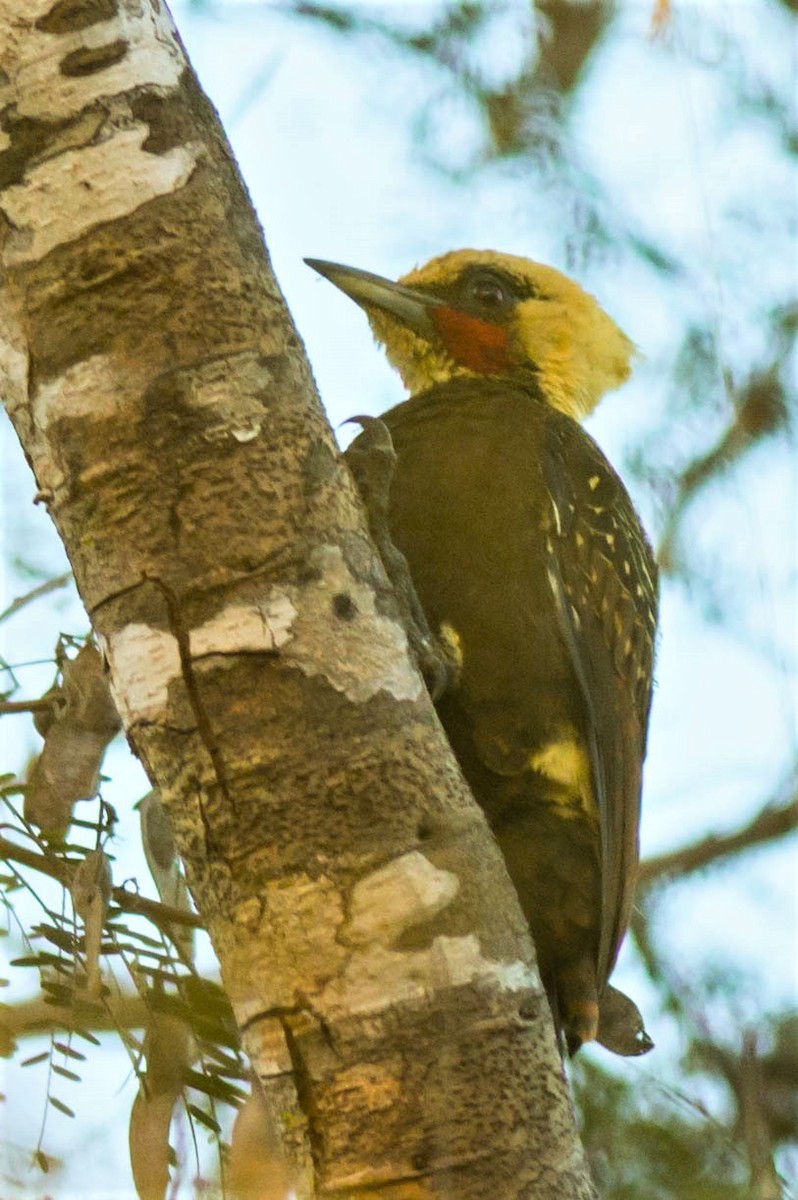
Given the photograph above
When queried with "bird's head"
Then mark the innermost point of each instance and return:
(476, 312)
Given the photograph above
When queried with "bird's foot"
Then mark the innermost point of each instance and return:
(372, 460)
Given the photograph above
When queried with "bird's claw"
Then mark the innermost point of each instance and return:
(372, 461)
(438, 665)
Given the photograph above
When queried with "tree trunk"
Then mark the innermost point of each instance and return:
(368, 936)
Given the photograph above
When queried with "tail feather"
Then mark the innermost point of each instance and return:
(621, 1027)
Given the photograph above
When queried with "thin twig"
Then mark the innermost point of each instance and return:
(44, 704)
(30, 1017)
(62, 870)
(764, 1178)
(773, 821)
(43, 589)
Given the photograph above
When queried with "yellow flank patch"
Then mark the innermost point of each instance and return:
(567, 764)
(454, 643)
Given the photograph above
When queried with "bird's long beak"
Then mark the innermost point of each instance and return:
(370, 291)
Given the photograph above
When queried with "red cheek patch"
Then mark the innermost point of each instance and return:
(471, 342)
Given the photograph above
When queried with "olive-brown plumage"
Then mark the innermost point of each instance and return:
(525, 549)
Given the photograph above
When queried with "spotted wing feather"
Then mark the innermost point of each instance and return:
(604, 580)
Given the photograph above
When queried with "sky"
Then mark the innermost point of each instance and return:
(325, 133)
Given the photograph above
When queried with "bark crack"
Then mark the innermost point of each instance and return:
(204, 727)
(119, 594)
(303, 1083)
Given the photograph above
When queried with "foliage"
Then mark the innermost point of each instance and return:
(190, 1050)
(644, 1141)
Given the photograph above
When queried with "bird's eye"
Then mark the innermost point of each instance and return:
(488, 291)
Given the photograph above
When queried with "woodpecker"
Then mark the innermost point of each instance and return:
(531, 563)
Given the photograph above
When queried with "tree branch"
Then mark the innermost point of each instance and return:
(29, 1017)
(63, 870)
(775, 820)
(761, 410)
(25, 706)
(43, 589)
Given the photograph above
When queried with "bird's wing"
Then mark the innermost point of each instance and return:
(604, 580)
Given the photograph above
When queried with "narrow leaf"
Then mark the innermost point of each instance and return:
(69, 1051)
(59, 1104)
(87, 1036)
(204, 1118)
(65, 1074)
(37, 1058)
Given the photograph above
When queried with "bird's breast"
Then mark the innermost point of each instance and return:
(469, 510)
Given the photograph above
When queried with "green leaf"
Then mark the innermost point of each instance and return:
(59, 1104)
(115, 927)
(57, 993)
(37, 1058)
(63, 938)
(87, 1036)
(215, 1086)
(59, 1070)
(204, 1118)
(69, 1051)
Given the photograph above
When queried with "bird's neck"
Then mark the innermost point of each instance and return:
(525, 381)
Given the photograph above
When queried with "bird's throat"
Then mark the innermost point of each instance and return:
(471, 342)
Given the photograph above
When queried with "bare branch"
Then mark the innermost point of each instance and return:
(764, 1179)
(778, 818)
(760, 411)
(63, 870)
(44, 704)
(43, 589)
(31, 1017)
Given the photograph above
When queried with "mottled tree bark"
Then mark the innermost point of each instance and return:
(368, 936)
